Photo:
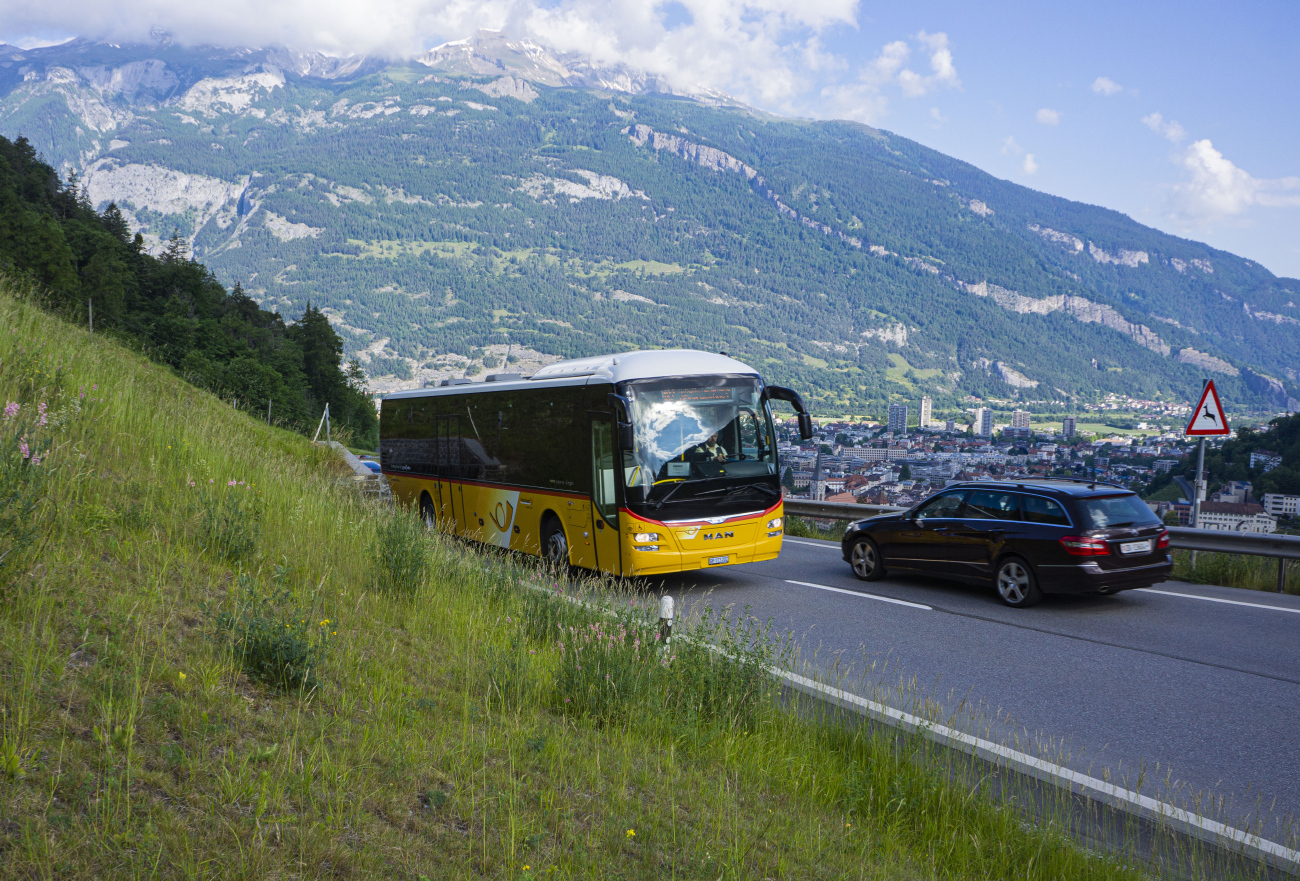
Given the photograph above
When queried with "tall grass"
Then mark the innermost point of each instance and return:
(153, 726)
(1235, 570)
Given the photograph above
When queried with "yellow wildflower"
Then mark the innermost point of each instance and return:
(631, 833)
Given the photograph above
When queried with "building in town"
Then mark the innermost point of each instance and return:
(1279, 505)
(1020, 419)
(1068, 426)
(1265, 459)
(926, 408)
(898, 419)
(984, 422)
(1236, 517)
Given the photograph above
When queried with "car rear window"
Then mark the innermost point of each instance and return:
(986, 504)
(1107, 511)
(1036, 509)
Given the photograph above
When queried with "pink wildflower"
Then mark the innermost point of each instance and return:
(230, 482)
(11, 409)
(36, 460)
(22, 447)
(210, 480)
(95, 387)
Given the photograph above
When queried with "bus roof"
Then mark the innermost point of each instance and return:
(644, 364)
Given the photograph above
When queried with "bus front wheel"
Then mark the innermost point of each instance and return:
(555, 546)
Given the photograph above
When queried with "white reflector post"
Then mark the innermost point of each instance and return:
(666, 618)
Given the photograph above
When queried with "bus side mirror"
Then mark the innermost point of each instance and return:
(790, 396)
(622, 423)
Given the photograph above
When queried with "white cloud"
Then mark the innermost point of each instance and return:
(767, 52)
(1216, 189)
(1048, 116)
(1170, 129)
(1104, 85)
(866, 99)
(1029, 166)
(1010, 147)
(936, 115)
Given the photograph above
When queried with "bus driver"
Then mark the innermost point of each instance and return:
(712, 450)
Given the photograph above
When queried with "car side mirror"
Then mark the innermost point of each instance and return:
(805, 427)
(626, 439)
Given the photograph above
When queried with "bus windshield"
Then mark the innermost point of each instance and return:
(696, 429)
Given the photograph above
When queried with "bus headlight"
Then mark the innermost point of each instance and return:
(645, 537)
(645, 547)
(774, 523)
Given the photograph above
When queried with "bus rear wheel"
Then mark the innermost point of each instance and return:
(428, 515)
(555, 545)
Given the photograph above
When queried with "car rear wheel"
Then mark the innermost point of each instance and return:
(865, 560)
(1016, 583)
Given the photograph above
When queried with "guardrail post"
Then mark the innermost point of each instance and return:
(665, 619)
(1281, 575)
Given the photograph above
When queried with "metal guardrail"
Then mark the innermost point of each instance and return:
(1253, 544)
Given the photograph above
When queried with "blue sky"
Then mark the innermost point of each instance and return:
(1182, 115)
(1225, 73)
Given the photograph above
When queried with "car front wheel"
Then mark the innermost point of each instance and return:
(865, 560)
(1016, 583)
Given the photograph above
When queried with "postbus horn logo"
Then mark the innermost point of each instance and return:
(501, 515)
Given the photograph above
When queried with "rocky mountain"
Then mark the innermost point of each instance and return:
(495, 199)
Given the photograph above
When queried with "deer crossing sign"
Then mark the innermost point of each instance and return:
(1208, 419)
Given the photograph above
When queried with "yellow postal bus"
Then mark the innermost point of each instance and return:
(628, 464)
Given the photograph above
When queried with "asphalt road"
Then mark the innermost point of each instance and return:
(1191, 696)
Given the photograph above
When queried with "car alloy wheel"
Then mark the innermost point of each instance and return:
(1016, 584)
(865, 560)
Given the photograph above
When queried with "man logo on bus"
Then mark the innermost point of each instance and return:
(709, 535)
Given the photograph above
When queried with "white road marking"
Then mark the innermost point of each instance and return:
(1192, 596)
(856, 593)
(814, 544)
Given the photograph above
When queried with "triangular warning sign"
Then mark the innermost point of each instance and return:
(1208, 418)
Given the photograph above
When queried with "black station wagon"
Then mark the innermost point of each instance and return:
(1026, 537)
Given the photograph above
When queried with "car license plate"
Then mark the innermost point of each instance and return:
(718, 561)
(1136, 547)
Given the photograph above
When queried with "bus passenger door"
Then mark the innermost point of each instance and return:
(604, 505)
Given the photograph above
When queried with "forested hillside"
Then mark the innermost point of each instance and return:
(81, 262)
(440, 219)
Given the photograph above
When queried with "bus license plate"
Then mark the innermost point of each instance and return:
(1135, 547)
(718, 561)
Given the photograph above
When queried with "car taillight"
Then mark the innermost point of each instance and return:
(1162, 541)
(1085, 546)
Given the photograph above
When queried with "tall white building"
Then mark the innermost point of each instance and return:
(1020, 419)
(1280, 505)
(984, 422)
(1068, 426)
(898, 419)
(925, 411)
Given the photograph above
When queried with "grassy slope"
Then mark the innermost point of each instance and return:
(407, 761)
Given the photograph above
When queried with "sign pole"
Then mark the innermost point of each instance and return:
(1200, 486)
